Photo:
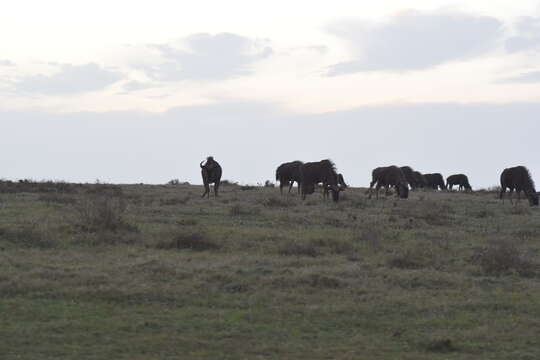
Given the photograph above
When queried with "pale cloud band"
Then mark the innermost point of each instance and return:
(414, 40)
(207, 57)
(68, 79)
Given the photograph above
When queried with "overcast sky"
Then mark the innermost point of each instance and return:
(132, 91)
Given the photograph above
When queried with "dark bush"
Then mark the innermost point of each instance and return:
(56, 198)
(299, 249)
(37, 187)
(174, 201)
(191, 241)
(275, 202)
(228, 183)
(239, 210)
(27, 236)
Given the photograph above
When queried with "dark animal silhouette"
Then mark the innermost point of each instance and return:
(287, 174)
(323, 171)
(409, 175)
(419, 179)
(387, 177)
(341, 183)
(519, 179)
(435, 181)
(460, 179)
(211, 173)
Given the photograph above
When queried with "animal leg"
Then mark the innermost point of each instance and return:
(377, 191)
(290, 186)
(216, 189)
(206, 189)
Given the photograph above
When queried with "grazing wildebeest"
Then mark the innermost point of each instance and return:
(435, 181)
(419, 179)
(211, 173)
(409, 176)
(323, 171)
(519, 178)
(341, 183)
(389, 176)
(459, 179)
(287, 174)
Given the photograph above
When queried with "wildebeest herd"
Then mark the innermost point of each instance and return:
(402, 179)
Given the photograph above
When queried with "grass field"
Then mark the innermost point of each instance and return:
(155, 272)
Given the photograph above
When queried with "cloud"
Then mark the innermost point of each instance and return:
(528, 77)
(527, 37)
(6, 63)
(415, 40)
(137, 85)
(71, 79)
(207, 57)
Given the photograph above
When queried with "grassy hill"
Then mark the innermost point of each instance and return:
(155, 272)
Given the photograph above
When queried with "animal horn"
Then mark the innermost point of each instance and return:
(201, 164)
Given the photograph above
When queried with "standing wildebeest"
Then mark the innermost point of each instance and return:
(387, 177)
(323, 171)
(409, 176)
(435, 181)
(519, 178)
(341, 183)
(287, 174)
(419, 179)
(459, 179)
(211, 173)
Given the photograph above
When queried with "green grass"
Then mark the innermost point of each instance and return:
(156, 272)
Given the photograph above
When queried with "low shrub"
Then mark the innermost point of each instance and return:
(101, 213)
(174, 201)
(275, 202)
(27, 236)
(192, 241)
(503, 257)
(299, 249)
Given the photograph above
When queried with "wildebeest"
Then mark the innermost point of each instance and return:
(389, 176)
(211, 173)
(341, 183)
(419, 179)
(287, 174)
(408, 172)
(323, 171)
(459, 179)
(519, 178)
(435, 181)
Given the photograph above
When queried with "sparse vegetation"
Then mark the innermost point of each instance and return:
(96, 270)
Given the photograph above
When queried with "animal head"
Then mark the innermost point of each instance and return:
(533, 199)
(403, 190)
